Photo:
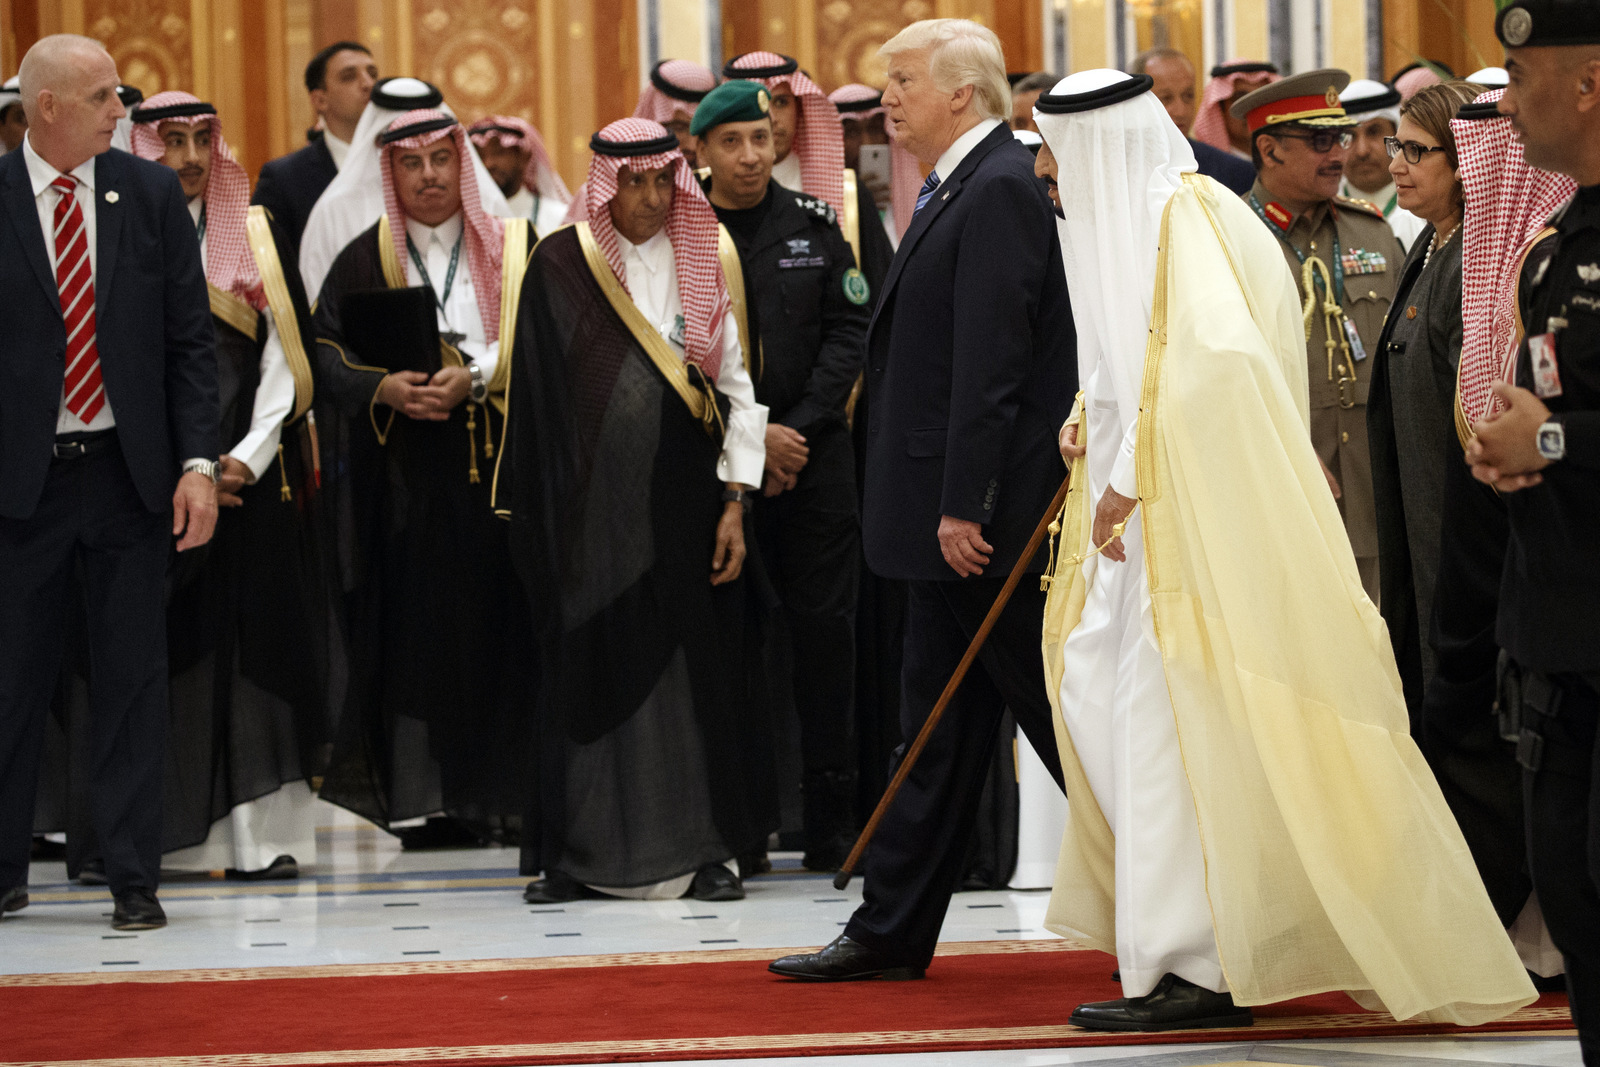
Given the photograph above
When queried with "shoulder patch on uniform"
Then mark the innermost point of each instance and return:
(1364, 206)
(816, 206)
(856, 289)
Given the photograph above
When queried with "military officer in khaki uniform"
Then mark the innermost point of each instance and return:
(1346, 261)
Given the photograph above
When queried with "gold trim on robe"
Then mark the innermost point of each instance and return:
(1332, 861)
(850, 221)
(702, 405)
(235, 312)
(258, 229)
(733, 277)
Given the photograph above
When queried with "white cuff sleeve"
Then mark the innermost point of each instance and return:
(486, 356)
(1124, 476)
(744, 447)
(274, 401)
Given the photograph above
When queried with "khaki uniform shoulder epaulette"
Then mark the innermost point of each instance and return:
(1366, 207)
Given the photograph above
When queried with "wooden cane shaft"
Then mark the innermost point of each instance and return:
(842, 879)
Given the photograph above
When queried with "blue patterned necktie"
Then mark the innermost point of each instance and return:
(926, 192)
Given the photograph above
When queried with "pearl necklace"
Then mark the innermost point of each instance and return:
(1438, 243)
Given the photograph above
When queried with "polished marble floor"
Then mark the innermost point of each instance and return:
(366, 901)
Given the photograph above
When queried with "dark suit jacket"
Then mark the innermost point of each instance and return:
(1235, 173)
(971, 366)
(152, 325)
(289, 187)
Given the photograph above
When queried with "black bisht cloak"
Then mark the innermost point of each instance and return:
(654, 754)
(437, 704)
(249, 640)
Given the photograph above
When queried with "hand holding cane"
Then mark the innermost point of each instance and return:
(842, 879)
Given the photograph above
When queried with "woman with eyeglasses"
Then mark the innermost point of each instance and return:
(1410, 415)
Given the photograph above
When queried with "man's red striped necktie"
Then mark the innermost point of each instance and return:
(85, 393)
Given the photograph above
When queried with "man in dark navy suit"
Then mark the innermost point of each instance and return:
(340, 80)
(108, 450)
(1174, 79)
(972, 368)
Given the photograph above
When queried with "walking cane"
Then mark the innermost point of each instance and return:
(842, 879)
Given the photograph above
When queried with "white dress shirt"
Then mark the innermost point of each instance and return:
(653, 284)
(460, 313)
(546, 214)
(41, 174)
(962, 147)
(274, 391)
(336, 148)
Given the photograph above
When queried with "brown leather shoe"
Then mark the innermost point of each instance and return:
(13, 899)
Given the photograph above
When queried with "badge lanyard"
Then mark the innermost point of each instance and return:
(1338, 323)
(200, 227)
(1338, 260)
(450, 275)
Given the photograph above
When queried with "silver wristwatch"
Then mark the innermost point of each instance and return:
(1553, 441)
(479, 389)
(208, 467)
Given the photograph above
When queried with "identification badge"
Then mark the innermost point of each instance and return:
(679, 332)
(1358, 351)
(1546, 376)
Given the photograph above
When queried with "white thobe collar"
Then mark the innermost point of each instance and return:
(787, 173)
(41, 174)
(962, 147)
(655, 255)
(446, 233)
(336, 148)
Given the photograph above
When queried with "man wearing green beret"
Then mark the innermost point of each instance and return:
(803, 306)
(1540, 449)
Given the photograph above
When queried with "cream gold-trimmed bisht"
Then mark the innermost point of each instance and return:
(1329, 860)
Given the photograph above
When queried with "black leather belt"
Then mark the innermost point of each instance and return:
(78, 445)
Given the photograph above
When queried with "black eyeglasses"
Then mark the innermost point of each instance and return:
(1414, 151)
(1322, 141)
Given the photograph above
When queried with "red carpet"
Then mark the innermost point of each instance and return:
(707, 1005)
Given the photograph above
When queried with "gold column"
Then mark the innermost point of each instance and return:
(291, 105)
(1347, 43)
(1249, 32)
(1087, 25)
(683, 26)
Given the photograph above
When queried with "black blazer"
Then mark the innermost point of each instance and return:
(290, 185)
(152, 325)
(1235, 173)
(971, 369)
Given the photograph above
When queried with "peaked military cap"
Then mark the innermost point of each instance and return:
(1309, 99)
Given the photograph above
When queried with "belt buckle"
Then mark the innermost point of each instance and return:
(1347, 396)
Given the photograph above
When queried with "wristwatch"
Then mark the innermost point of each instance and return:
(731, 495)
(208, 467)
(1553, 441)
(479, 389)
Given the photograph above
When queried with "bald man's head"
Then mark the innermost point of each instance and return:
(69, 92)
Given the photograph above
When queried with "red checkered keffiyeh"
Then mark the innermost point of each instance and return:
(906, 173)
(1507, 204)
(819, 141)
(540, 176)
(658, 106)
(485, 234)
(691, 227)
(1210, 126)
(229, 263)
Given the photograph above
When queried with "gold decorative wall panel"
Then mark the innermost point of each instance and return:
(150, 39)
(478, 52)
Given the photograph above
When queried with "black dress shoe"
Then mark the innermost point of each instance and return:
(93, 872)
(556, 888)
(716, 882)
(13, 899)
(439, 832)
(843, 960)
(754, 863)
(1173, 1004)
(284, 867)
(137, 909)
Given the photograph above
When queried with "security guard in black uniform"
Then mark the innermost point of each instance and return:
(1543, 453)
(802, 306)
